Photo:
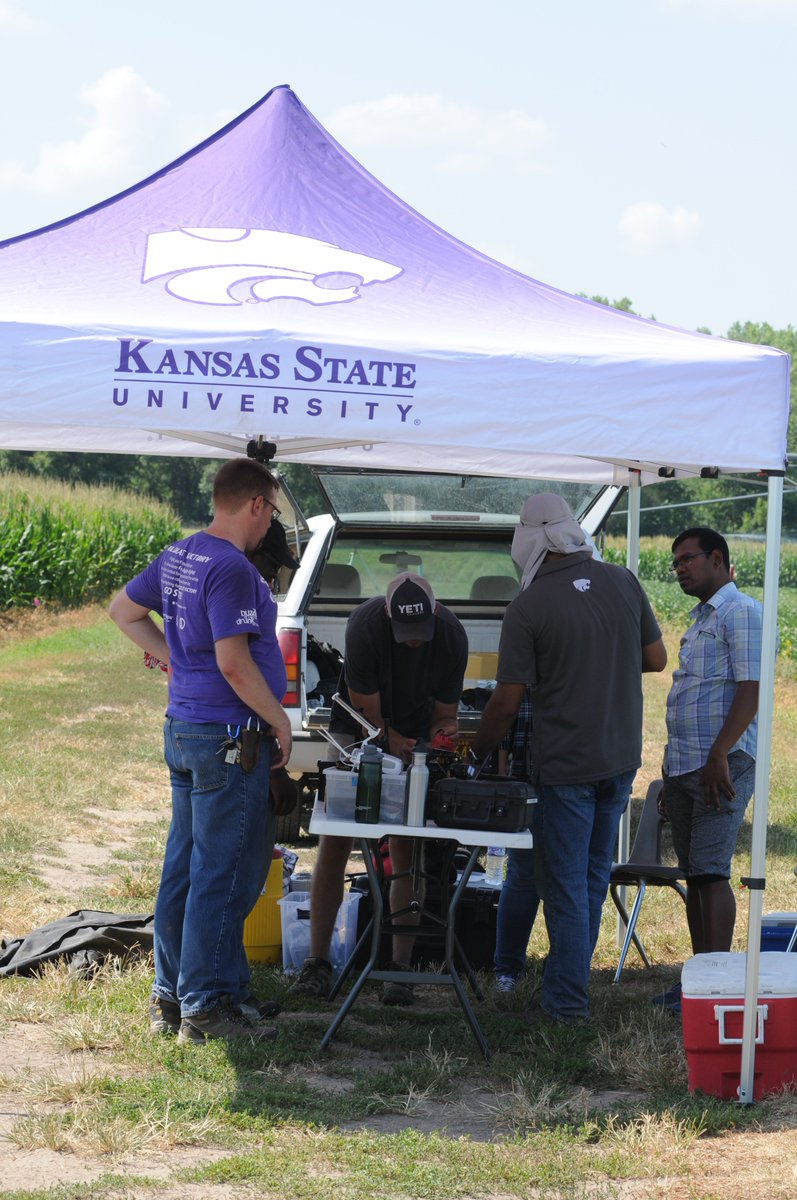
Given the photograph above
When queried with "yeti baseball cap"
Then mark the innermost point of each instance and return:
(410, 605)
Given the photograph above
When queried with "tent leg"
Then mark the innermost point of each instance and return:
(766, 706)
(632, 562)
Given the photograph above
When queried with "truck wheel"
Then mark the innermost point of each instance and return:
(289, 826)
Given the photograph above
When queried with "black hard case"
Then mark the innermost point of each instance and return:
(476, 928)
(491, 802)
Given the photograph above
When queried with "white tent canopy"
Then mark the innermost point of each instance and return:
(265, 285)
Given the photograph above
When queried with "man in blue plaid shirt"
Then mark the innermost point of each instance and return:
(709, 760)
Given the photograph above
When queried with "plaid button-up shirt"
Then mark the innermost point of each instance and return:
(722, 648)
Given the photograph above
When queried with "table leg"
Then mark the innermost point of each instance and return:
(376, 932)
(452, 946)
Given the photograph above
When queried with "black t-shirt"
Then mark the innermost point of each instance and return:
(575, 635)
(409, 681)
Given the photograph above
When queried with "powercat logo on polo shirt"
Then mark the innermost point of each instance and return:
(248, 617)
(581, 585)
(231, 266)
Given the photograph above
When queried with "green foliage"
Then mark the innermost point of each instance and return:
(183, 483)
(748, 558)
(623, 305)
(672, 606)
(678, 504)
(72, 544)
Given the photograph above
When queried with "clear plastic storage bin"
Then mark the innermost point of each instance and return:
(295, 915)
(340, 789)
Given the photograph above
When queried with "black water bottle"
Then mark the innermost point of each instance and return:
(369, 786)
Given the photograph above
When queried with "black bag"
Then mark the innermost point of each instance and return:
(477, 917)
(491, 802)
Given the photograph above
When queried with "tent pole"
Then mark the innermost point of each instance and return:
(766, 707)
(632, 562)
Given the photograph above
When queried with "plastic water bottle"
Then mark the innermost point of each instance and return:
(369, 786)
(494, 867)
(417, 787)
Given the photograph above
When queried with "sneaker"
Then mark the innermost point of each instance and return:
(224, 1020)
(399, 994)
(670, 998)
(314, 981)
(164, 1015)
(505, 983)
(259, 1010)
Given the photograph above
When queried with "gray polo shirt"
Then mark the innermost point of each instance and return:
(575, 635)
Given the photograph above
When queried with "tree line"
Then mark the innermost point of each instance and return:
(735, 504)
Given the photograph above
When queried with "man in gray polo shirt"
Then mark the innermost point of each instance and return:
(580, 633)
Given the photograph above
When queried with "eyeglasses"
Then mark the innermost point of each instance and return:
(685, 559)
(275, 512)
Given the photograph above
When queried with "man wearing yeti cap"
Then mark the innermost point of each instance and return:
(403, 668)
(410, 604)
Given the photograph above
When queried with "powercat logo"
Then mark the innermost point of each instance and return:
(231, 266)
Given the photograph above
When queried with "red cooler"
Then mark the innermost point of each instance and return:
(712, 1007)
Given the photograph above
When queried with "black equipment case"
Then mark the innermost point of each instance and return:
(476, 928)
(491, 802)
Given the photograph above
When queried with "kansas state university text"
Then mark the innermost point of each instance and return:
(311, 364)
(263, 403)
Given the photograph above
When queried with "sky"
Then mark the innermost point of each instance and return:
(639, 148)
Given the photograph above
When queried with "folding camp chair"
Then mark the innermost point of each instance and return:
(643, 869)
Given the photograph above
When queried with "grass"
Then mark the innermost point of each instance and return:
(401, 1105)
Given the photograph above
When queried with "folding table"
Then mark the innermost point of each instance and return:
(368, 837)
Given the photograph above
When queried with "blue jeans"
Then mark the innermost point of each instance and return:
(517, 909)
(580, 823)
(217, 856)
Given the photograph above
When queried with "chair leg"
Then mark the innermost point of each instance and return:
(624, 917)
(630, 929)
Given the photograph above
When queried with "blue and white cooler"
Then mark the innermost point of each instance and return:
(777, 930)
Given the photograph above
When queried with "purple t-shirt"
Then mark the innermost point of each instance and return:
(206, 589)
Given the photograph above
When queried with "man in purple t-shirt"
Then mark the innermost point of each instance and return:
(225, 729)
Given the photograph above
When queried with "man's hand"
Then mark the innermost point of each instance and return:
(281, 730)
(716, 773)
(283, 791)
(717, 780)
(399, 745)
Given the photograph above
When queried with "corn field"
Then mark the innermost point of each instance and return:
(72, 544)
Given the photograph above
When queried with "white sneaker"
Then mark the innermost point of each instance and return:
(505, 983)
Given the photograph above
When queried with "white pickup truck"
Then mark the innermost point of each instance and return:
(455, 530)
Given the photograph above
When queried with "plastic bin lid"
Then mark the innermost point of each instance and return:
(780, 918)
(723, 974)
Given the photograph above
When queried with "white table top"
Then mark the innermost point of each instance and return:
(326, 826)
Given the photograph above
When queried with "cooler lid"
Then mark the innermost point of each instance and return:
(723, 974)
(780, 918)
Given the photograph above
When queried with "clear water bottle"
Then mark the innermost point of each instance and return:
(494, 867)
(369, 786)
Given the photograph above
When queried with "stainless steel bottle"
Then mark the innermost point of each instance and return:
(417, 787)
